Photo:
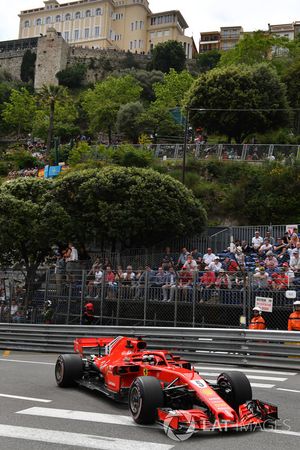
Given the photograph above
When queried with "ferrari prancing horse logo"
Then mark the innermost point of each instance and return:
(145, 372)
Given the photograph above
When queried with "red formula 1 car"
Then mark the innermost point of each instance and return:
(161, 387)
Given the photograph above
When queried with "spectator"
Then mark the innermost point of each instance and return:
(279, 281)
(96, 282)
(295, 261)
(168, 259)
(215, 265)
(229, 265)
(169, 285)
(185, 283)
(146, 276)
(197, 256)
(280, 248)
(128, 282)
(271, 262)
(106, 263)
(182, 257)
(13, 310)
(246, 249)
(289, 272)
(207, 282)
(71, 256)
(294, 318)
(265, 248)
(209, 257)
(223, 280)
(48, 312)
(159, 278)
(269, 237)
(110, 282)
(119, 274)
(190, 263)
(260, 278)
(257, 241)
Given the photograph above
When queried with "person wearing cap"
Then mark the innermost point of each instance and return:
(215, 265)
(88, 313)
(294, 319)
(260, 278)
(271, 262)
(257, 322)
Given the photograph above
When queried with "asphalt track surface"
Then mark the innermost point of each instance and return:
(36, 414)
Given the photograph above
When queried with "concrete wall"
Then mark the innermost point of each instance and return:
(11, 62)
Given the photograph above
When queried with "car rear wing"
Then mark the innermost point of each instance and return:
(82, 345)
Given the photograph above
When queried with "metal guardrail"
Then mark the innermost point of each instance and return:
(278, 349)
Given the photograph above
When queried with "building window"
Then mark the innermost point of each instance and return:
(88, 13)
(98, 12)
(167, 33)
(68, 17)
(26, 24)
(67, 36)
(132, 26)
(159, 34)
(136, 24)
(131, 45)
(48, 20)
(76, 35)
(86, 33)
(77, 15)
(38, 21)
(97, 31)
(57, 19)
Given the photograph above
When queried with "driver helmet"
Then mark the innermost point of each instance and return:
(150, 359)
(257, 308)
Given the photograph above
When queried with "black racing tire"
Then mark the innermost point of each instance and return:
(234, 388)
(145, 396)
(68, 368)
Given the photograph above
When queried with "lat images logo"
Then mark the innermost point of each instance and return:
(184, 431)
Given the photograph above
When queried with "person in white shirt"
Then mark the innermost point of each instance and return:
(190, 263)
(208, 257)
(257, 241)
(215, 266)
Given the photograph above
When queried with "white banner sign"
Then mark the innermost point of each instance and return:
(264, 303)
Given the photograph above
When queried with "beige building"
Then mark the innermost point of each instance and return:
(209, 40)
(121, 24)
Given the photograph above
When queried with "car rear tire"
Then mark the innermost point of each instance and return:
(145, 396)
(68, 368)
(234, 388)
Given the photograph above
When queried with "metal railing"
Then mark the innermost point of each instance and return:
(279, 349)
(150, 301)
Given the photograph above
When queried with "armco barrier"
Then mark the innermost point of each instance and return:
(280, 349)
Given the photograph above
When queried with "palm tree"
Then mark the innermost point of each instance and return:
(50, 95)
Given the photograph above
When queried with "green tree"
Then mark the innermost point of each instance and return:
(171, 91)
(49, 96)
(128, 120)
(292, 82)
(238, 100)
(158, 121)
(145, 78)
(168, 55)
(19, 111)
(103, 102)
(128, 204)
(64, 120)
(28, 66)
(30, 222)
(208, 60)
(73, 76)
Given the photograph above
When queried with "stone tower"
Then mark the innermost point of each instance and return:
(52, 56)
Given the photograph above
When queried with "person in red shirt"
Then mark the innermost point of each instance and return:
(279, 281)
(257, 322)
(110, 282)
(88, 313)
(185, 283)
(207, 283)
(294, 319)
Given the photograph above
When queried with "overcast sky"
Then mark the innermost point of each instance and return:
(201, 15)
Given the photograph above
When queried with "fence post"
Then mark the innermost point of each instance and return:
(82, 297)
(46, 285)
(196, 273)
(146, 297)
(102, 295)
(175, 306)
(69, 304)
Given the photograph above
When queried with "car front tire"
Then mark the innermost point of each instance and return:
(145, 396)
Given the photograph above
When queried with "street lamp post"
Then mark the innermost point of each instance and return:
(186, 130)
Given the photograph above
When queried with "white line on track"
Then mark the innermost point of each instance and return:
(254, 377)
(288, 390)
(245, 370)
(86, 416)
(256, 385)
(27, 362)
(286, 432)
(31, 399)
(77, 439)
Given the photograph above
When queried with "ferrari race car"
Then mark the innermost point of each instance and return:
(163, 388)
